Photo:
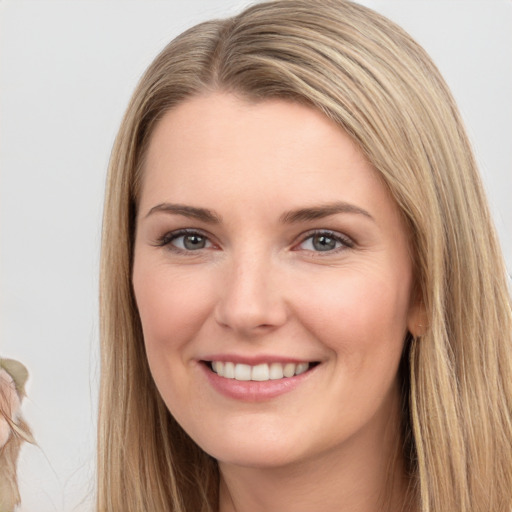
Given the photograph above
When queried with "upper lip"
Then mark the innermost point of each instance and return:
(254, 360)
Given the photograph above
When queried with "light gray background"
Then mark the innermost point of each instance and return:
(67, 69)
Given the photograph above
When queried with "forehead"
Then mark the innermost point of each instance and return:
(218, 149)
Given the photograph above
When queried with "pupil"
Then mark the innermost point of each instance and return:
(194, 242)
(324, 243)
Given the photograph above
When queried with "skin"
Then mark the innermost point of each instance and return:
(259, 286)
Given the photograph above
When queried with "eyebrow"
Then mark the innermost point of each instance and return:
(319, 212)
(290, 217)
(202, 214)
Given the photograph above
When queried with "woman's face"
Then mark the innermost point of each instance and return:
(273, 280)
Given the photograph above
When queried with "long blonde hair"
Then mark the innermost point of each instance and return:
(371, 78)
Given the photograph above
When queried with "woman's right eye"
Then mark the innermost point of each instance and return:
(185, 241)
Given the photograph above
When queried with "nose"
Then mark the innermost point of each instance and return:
(251, 301)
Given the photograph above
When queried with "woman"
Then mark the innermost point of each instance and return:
(304, 305)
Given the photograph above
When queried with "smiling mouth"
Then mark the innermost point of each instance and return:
(260, 372)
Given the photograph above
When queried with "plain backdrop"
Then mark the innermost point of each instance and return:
(67, 69)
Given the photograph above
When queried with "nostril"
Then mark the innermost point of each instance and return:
(250, 308)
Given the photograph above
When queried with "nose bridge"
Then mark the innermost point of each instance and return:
(251, 299)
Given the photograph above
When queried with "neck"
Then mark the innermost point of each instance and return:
(366, 474)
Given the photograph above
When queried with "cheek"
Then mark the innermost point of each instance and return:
(357, 312)
(172, 309)
(171, 306)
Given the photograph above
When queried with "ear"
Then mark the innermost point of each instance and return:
(417, 319)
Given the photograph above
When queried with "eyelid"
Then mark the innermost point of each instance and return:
(346, 241)
(168, 237)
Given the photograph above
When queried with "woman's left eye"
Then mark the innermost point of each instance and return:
(324, 241)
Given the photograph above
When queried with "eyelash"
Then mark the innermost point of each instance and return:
(167, 239)
(345, 241)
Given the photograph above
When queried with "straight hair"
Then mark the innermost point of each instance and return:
(366, 74)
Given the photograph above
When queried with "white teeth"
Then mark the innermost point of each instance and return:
(260, 372)
(289, 370)
(229, 370)
(276, 371)
(242, 372)
(301, 368)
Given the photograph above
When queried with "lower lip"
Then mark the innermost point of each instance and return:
(254, 391)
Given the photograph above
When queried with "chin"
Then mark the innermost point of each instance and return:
(258, 451)
(258, 457)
